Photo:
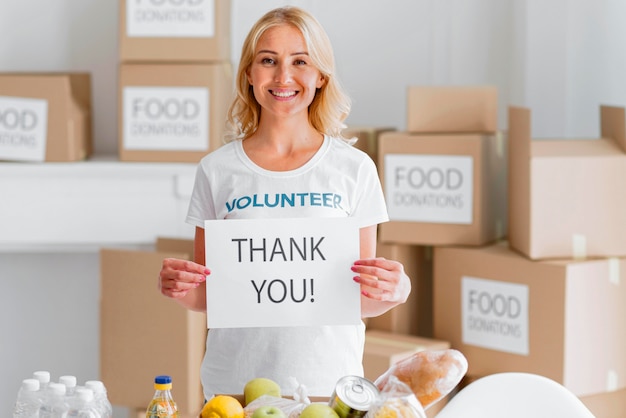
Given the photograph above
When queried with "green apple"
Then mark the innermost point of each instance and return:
(268, 411)
(318, 410)
(260, 386)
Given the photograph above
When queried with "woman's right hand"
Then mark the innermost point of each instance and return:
(178, 277)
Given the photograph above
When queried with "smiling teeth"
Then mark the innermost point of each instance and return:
(284, 93)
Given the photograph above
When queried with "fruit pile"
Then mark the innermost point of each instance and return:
(405, 390)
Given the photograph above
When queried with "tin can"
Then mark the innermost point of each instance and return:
(353, 396)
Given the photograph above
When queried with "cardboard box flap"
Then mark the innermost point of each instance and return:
(176, 245)
(613, 124)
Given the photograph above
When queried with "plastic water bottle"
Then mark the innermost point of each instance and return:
(162, 404)
(44, 379)
(54, 404)
(70, 384)
(101, 399)
(83, 405)
(28, 402)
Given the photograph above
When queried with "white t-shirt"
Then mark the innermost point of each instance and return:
(339, 181)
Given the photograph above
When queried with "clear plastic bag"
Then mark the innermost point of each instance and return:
(396, 400)
(292, 407)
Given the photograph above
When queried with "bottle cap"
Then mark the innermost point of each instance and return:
(68, 381)
(96, 385)
(84, 394)
(57, 389)
(42, 376)
(163, 379)
(163, 382)
(31, 385)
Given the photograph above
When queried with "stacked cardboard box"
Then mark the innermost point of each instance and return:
(444, 182)
(445, 178)
(143, 334)
(45, 117)
(552, 299)
(175, 79)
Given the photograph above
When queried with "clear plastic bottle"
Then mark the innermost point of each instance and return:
(43, 377)
(70, 384)
(28, 401)
(162, 404)
(54, 404)
(100, 398)
(83, 404)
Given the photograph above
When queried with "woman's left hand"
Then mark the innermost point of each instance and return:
(382, 280)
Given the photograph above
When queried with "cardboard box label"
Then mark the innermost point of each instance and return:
(23, 128)
(282, 272)
(495, 315)
(429, 188)
(166, 118)
(170, 18)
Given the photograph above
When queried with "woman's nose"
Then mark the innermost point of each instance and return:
(283, 74)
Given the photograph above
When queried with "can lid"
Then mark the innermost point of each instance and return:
(357, 392)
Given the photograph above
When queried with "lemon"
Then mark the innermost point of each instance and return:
(222, 406)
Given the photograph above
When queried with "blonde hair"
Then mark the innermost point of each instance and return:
(330, 106)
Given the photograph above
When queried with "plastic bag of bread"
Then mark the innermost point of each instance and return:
(396, 400)
(430, 374)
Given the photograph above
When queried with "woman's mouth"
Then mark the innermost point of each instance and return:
(283, 94)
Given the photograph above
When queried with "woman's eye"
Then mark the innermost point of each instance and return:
(267, 61)
(300, 62)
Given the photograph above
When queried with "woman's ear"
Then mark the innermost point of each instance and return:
(321, 82)
(248, 77)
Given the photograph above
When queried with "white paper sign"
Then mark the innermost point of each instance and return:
(166, 118)
(170, 18)
(495, 315)
(23, 128)
(429, 188)
(282, 272)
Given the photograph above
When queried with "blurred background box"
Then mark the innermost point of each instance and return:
(415, 316)
(607, 404)
(445, 189)
(367, 138)
(172, 113)
(174, 31)
(566, 197)
(144, 334)
(45, 117)
(448, 109)
(557, 318)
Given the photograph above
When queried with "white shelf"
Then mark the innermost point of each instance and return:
(82, 206)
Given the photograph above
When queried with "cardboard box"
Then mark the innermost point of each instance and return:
(172, 113)
(607, 404)
(174, 31)
(45, 117)
(145, 334)
(384, 349)
(566, 198)
(415, 316)
(367, 138)
(448, 109)
(443, 189)
(560, 319)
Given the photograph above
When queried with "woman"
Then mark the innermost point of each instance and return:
(286, 121)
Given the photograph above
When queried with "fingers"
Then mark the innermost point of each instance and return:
(178, 277)
(382, 279)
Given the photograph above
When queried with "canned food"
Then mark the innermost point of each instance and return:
(353, 396)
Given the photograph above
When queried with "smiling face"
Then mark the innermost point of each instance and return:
(282, 75)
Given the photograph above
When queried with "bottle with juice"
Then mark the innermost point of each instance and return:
(162, 404)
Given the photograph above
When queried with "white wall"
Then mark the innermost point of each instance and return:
(561, 58)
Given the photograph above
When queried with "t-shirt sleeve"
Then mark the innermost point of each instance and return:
(370, 207)
(201, 205)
